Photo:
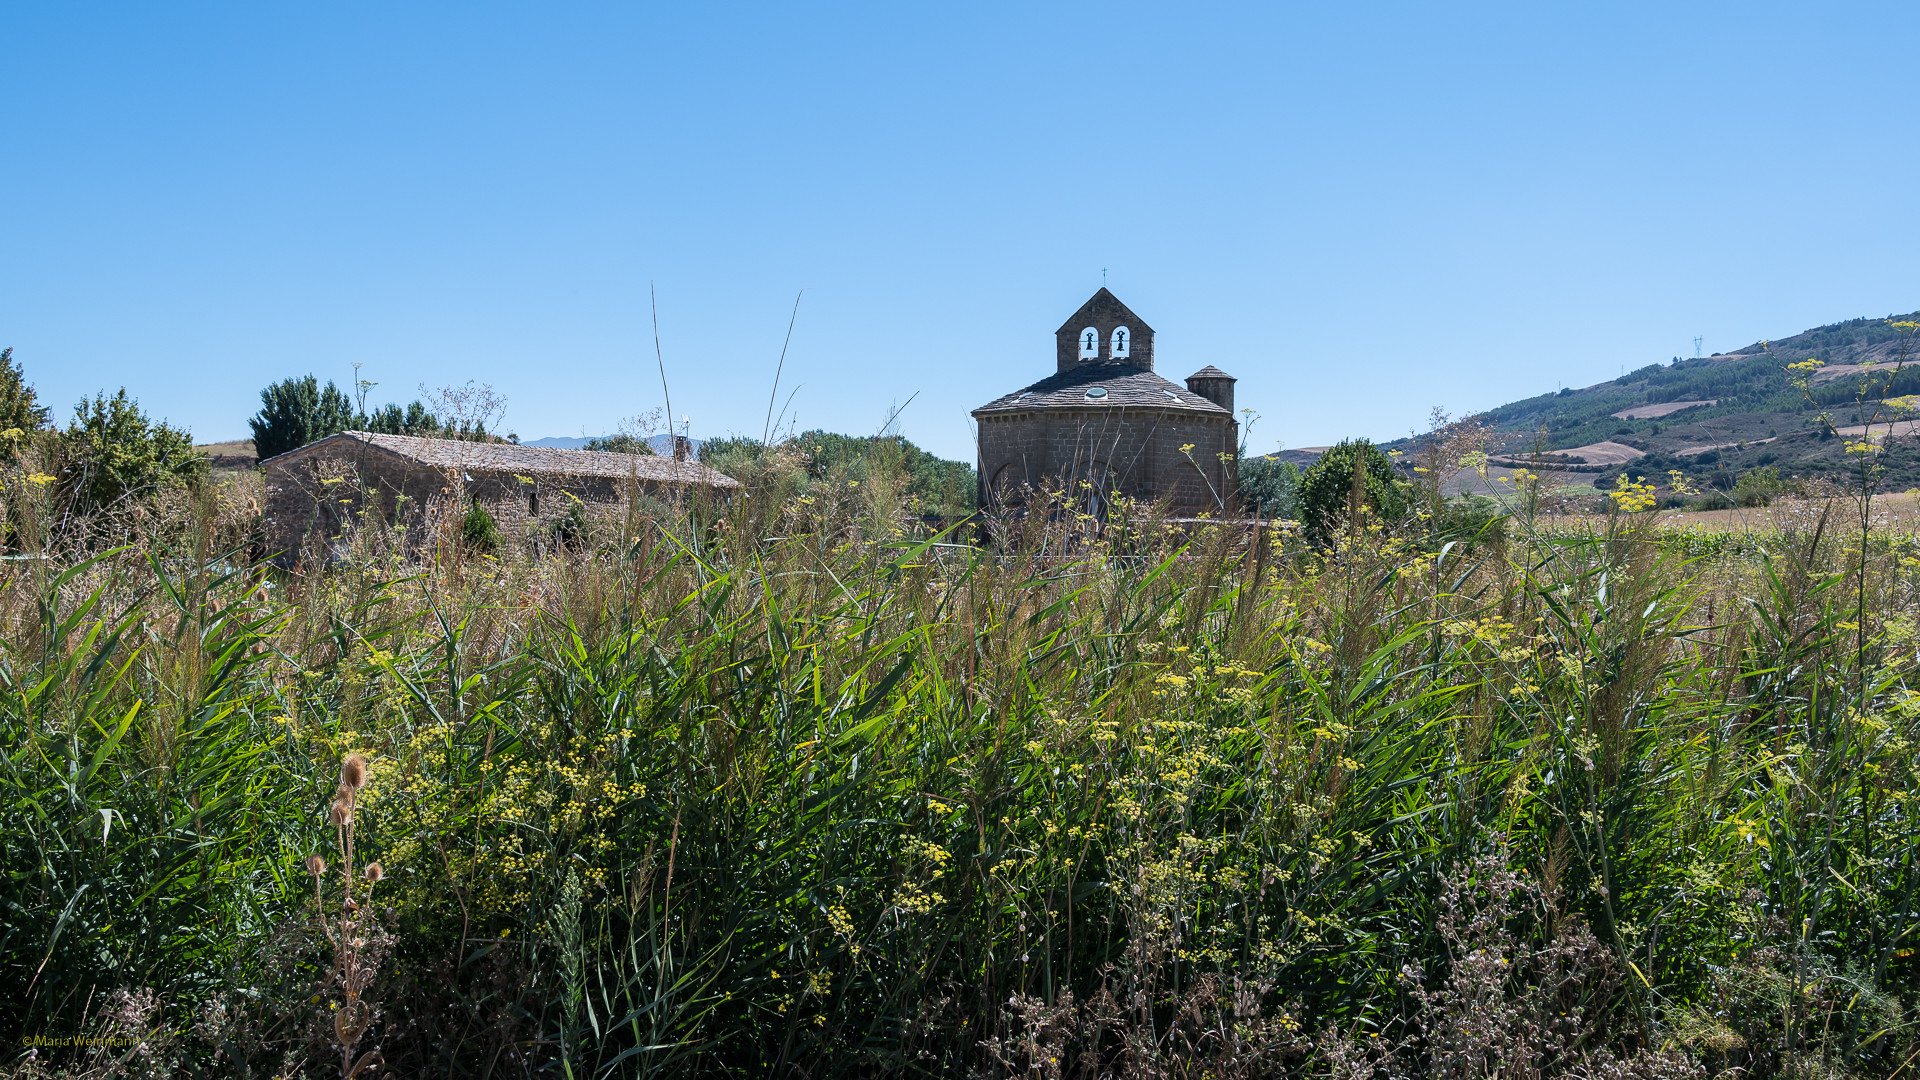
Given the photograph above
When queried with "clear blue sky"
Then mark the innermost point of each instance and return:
(1361, 211)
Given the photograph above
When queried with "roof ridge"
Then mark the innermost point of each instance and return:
(515, 457)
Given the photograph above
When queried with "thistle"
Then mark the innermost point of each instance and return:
(354, 932)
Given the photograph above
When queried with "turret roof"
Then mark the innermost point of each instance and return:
(1211, 372)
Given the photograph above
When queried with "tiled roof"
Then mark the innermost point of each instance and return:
(1211, 372)
(523, 460)
(1125, 385)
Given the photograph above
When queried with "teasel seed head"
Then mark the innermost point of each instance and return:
(375, 871)
(353, 772)
(341, 812)
(316, 865)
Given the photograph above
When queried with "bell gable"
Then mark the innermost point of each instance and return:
(1104, 330)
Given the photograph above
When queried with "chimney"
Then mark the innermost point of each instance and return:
(682, 445)
(1214, 385)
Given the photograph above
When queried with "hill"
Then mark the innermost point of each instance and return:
(1719, 416)
(661, 443)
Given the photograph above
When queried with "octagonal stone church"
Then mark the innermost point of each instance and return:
(1104, 422)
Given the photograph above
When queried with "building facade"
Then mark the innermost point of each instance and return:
(313, 492)
(1104, 424)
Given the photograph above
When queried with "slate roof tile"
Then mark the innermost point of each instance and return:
(522, 460)
(1125, 385)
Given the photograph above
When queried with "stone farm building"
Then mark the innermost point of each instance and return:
(1104, 422)
(311, 490)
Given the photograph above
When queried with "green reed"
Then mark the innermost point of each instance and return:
(801, 787)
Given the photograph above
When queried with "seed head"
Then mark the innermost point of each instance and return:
(341, 812)
(353, 772)
(316, 865)
(375, 871)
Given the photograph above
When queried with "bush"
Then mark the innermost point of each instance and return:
(573, 527)
(478, 531)
(112, 452)
(1759, 487)
(620, 444)
(1470, 518)
(1271, 488)
(1712, 500)
(935, 483)
(1327, 485)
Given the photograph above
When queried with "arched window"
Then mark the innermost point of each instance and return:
(1122, 341)
(1089, 344)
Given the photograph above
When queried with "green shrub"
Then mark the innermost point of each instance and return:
(935, 483)
(572, 527)
(621, 444)
(1759, 487)
(478, 531)
(111, 453)
(1327, 485)
(1271, 488)
(1471, 518)
(1712, 500)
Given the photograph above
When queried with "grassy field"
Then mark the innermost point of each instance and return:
(790, 788)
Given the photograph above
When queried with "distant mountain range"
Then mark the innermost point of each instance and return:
(1717, 416)
(661, 443)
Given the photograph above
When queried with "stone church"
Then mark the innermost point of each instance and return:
(1104, 422)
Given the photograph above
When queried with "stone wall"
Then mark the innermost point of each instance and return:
(312, 498)
(1136, 451)
(1104, 312)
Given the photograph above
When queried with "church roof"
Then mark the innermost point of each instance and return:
(1211, 372)
(1123, 384)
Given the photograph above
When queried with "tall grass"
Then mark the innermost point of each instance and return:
(795, 788)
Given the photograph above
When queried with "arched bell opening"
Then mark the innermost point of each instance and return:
(1089, 345)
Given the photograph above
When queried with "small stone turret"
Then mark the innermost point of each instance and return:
(1214, 385)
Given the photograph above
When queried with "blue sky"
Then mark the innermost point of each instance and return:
(1362, 211)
